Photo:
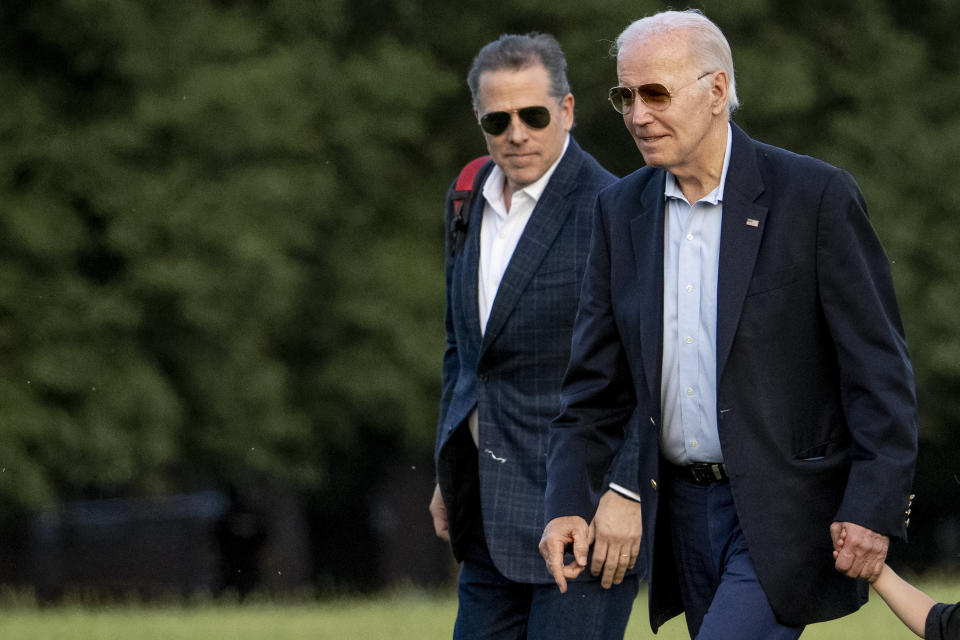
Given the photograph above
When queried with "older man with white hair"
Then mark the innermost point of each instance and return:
(739, 380)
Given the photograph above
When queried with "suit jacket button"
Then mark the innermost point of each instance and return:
(482, 377)
(653, 483)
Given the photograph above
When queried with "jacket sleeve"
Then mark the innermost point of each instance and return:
(877, 385)
(597, 398)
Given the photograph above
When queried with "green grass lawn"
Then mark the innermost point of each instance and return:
(406, 616)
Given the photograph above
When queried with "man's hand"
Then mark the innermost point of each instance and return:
(617, 529)
(858, 552)
(439, 512)
(558, 533)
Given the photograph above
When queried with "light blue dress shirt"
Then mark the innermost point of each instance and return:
(689, 375)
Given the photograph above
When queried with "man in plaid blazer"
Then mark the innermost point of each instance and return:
(513, 283)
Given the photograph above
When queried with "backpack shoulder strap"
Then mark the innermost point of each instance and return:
(463, 191)
(465, 187)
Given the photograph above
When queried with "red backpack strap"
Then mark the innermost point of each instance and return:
(465, 180)
(463, 192)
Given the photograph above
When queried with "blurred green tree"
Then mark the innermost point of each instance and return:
(205, 273)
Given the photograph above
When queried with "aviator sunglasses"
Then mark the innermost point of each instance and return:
(496, 122)
(655, 95)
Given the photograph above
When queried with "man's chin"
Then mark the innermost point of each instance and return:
(653, 160)
(523, 178)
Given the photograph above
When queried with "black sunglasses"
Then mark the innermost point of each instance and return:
(496, 122)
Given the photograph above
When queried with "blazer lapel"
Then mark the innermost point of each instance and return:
(545, 222)
(740, 235)
(648, 254)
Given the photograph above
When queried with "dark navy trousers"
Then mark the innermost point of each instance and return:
(495, 608)
(722, 597)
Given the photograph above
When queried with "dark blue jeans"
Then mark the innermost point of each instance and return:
(722, 596)
(493, 607)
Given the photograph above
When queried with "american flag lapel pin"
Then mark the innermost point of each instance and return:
(753, 223)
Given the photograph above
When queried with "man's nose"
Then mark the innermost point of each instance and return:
(640, 113)
(518, 129)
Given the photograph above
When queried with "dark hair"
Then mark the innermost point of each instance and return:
(517, 52)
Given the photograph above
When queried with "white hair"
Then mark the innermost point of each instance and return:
(710, 47)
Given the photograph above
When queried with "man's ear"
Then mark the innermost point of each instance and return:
(566, 111)
(719, 92)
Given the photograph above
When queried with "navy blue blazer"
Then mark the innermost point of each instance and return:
(815, 397)
(512, 372)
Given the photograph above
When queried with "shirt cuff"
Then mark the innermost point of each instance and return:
(626, 493)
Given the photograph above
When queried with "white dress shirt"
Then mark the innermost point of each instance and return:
(500, 232)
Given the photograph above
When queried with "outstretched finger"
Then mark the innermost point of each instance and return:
(600, 550)
(614, 568)
(555, 564)
(625, 562)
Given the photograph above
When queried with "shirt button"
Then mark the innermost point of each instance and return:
(690, 391)
(689, 288)
(694, 443)
(689, 340)
(689, 236)
(501, 235)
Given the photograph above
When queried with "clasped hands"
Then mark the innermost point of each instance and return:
(615, 534)
(858, 552)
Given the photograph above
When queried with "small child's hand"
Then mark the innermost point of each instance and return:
(838, 540)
